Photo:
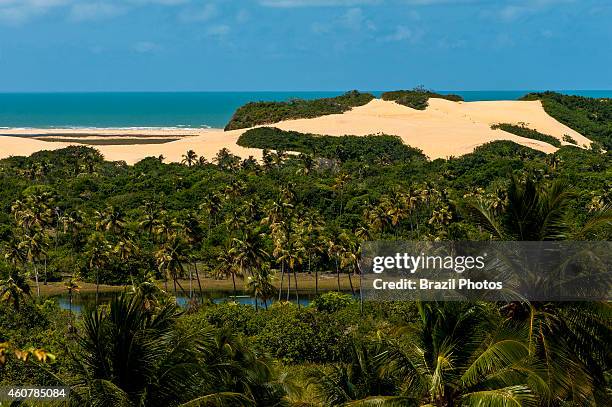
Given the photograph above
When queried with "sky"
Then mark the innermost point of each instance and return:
(251, 45)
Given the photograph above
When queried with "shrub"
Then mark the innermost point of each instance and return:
(416, 98)
(524, 131)
(591, 117)
(256, 113)
(345, 148)
(332, 301)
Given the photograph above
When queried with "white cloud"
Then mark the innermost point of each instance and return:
(355, 19)
(519, 9)
(20, 11)
(95, 11)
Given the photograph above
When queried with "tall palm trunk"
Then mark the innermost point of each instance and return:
(351, 283)
(256, 303)
(297, 293)
(234, 283)
(280, 290)
(36, 279)
(97, 286)
(337, 273)
(190, 282)
(288, 284)
(195, 265)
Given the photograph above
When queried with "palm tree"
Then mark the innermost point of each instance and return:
(356, 383)
(226, 266)
(259, 285)
(170, 258)
(226, 160)
(34, 248)
(333, 252)
(71, 287)
(110, 220)
(128, 355)
(126, 249)
(150, 218)
(249, 252)
(194, 235)
(461, 354)
(567, 338)
(339, 185)
(14, 289)
(190, 158)
(307, 162)
(536, 212)
(212, 205)
(98, 253)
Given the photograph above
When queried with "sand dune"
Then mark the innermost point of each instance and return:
(444, 129)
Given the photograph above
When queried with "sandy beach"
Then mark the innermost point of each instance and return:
(444, 129)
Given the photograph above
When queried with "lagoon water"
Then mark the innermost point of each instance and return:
(165, 109)
(80, 302)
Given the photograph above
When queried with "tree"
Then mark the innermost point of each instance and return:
(259, 285)
(170, 258)
(123, 351)
(339, 185)
(248, 253)
(535, 212)
(98, 253)
(227, 266)
(34, 248)
(462, 354)
(14, 290)
(190, 158)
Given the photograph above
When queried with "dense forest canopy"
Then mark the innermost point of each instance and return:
(301, 212)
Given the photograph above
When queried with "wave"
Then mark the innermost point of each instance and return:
(72, 127)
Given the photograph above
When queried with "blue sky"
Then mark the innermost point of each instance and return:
(193, 45)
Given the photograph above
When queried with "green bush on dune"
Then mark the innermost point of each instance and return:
(257, 113)
(368, 148)
(524, 131)
(591, 117)
(416, 98)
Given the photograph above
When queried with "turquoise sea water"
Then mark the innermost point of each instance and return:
(157, 109)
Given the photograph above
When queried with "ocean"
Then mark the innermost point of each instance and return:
(166, 109)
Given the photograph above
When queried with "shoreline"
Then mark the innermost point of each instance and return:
(444, 129)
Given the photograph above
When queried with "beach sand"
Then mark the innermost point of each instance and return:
(444, 129)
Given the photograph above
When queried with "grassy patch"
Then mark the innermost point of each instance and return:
(257, 113)
(524, 131)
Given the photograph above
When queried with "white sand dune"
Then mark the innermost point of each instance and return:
(444, 129)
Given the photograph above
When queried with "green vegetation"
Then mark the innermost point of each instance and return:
(371, 148)
(588, 116)
(70, 216)
(416, 98)
(526, 132)
(257, 113)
